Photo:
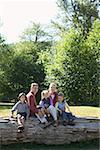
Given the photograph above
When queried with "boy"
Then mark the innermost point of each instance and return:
(61, 106)
(22, 111)
(34, 110)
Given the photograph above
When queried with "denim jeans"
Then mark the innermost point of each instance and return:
(67, 116)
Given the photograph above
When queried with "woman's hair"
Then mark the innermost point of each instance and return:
(43, 93)
(52, 84)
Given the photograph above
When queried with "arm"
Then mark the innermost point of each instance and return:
(14, 109)
(56, 106)
(67, 106)
(27, 111)
(31, 104)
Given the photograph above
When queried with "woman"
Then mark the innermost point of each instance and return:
(53, 94)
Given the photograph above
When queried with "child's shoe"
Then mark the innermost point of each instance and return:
(20, 128)
(71, 123)
(55, 124)
(65, 123)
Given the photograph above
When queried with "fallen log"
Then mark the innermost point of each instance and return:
(83, 130)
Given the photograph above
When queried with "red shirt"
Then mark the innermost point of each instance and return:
(32, 103)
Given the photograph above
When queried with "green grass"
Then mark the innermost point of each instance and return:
(82, 111)
(86, 111)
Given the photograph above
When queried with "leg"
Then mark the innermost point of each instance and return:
(19, 120)
(70, 116)
(23, 120)
(41, 118)
(53, 112)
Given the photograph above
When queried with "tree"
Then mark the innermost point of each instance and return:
(23, 69)
(35, 33)
(76, 67)
(78, 13)
(5, 57)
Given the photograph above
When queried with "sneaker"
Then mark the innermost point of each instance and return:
(19, 131)
(55, 124)
(65, 123)
(21, 127)
(71, 123)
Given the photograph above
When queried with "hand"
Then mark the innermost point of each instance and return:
(60, 111)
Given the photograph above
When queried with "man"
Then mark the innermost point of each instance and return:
(33, 105)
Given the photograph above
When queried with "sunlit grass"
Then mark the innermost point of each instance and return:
(86, 111)
(5, 111)
(82, 111)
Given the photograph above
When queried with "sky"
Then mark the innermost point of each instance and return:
(16, 15)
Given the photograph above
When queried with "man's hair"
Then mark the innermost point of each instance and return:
(33, 84)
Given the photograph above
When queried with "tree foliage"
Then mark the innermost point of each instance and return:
(21, 70)
(78, 13)
(71, 60)
(35, 33)
(76, 66)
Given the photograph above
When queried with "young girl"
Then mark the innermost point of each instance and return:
(61, 106)
(22, 111)
(53, 93)
(46, 105)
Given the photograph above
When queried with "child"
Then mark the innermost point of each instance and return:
(53, 93)
(22, 111)
(46, 104)
(34, 110)
(61, 106)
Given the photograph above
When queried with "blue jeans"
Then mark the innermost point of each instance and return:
(67, 116)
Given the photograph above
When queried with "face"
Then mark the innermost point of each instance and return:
(53, 88)
(60, 98)
(22, 98)
(46, 95)
(35, 89)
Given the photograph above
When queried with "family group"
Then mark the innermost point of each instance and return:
(52, 106)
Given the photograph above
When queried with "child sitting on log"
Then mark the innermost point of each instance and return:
(53, 94)
(61, 106)
(47, 106)
(22, 111)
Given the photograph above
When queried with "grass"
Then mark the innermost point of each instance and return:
(86, 111)
(82, 111)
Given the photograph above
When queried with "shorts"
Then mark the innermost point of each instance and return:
(22, 114)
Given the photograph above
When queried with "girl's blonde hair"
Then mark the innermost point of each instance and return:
(52, 84)
(43, 93)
